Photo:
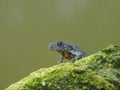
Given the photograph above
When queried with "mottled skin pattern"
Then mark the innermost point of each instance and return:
(68, 51)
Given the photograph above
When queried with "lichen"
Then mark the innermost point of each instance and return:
(100, 71)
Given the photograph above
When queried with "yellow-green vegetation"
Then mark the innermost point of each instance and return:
(100, 71)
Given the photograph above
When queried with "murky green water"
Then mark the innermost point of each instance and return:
(27, 27)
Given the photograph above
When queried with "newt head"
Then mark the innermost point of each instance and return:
(57, 46)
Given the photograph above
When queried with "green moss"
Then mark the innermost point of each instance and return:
(100, 71)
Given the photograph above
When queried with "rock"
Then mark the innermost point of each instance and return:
(99, 71)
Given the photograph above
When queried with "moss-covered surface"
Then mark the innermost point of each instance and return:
(100, 71)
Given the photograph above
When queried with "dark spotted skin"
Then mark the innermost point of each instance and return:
(68, 51)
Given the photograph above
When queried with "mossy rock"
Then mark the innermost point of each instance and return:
(100, 71)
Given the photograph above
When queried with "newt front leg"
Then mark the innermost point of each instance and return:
(60, 60)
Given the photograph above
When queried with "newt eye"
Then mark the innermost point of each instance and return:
(59, 43)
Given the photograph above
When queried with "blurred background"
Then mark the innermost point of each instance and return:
(28, 26)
